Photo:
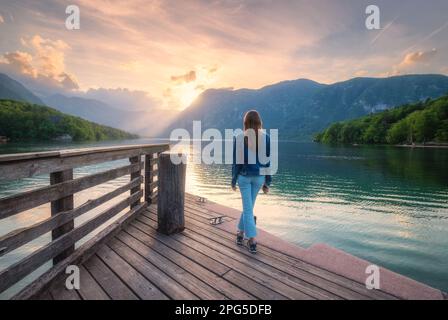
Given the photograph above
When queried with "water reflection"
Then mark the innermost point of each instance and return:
(388, 205)
(385, 204)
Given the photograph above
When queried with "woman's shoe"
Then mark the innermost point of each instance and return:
(239, 239)
(252, 247)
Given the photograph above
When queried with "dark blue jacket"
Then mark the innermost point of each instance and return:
(247, 169)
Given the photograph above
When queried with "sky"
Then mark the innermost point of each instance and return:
(165, 53)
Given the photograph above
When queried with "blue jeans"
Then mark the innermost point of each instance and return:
(249, 188)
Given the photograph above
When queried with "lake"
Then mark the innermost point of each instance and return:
(388, 205)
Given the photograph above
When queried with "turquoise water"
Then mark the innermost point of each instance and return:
(385, 204)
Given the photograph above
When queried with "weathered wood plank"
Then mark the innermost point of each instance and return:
(207, 229)
(30, 199)
(191, 209)
(190, 259)
(316, 290)
(27, 156)
(134, 175)
(169, 286)
(89, 289)
(80, 255)
(44, 296)
(144, 289)
(170, 203)
(149, 177)
(209, 263)
(25, 266)
(178, 266)
(109, 281)
(242, 264)
(59, 291)
(272, 264)
(61, 205)
(21, 236)
(258, 290)
(32, 164)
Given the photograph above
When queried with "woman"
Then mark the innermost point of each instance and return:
(246, 171)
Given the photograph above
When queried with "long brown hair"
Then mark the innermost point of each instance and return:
(252, 120)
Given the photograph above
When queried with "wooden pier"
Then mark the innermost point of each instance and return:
(132, 259)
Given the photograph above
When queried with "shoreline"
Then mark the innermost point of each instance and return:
(433, 146)
(440, 146)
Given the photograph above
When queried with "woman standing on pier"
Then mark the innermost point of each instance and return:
(246, 171)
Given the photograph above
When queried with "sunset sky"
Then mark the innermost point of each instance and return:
(168, 52)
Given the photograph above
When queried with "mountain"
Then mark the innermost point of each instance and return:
(145, 122)
(421, 122)
(300, 108)
(11, 89)
(90, 109)
(25, 121)
(148, 121)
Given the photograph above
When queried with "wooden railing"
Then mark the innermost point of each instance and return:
(60, 193)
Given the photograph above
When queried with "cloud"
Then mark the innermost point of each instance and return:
(21, 62)
(361, 73)
(44, 62)
(69, 81)
(185, 78)
(417, 57)
(254, 43)
(213, 69)
(413, 62)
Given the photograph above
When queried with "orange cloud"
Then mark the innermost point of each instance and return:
(412, 61)
(46, 62)
(20, 62)
(185, 78)
(417, 57)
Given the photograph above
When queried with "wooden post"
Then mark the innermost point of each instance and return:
(60, 205)
(171, 195)
(134, 175)
(150, 173)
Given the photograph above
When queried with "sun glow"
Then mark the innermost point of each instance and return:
(187, 94)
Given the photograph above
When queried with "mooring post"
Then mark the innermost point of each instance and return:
(171, 194)
(61, 205)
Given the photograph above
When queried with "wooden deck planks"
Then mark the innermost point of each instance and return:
(110, 282)
(168, 285)
(191, 273)
(202, 262)
(236, 264)
(340, 291)
(340, 280)
(89, 288)
(144, 289)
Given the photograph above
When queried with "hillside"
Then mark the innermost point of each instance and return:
(14, 90)
(90, 109)
(299, 108)
(25, 121)
(148, 122)
(422, 122)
